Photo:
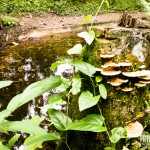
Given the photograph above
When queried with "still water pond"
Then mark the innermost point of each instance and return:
(27, 63)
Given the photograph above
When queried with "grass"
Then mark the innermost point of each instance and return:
(67, 7)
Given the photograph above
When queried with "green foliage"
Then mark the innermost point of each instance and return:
(77, 49)
(86, 100)
(68, 7)
(5, 83)
(102, 91)
(8, 21)
(92, 123)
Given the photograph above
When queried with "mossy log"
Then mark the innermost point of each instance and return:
(120, 107)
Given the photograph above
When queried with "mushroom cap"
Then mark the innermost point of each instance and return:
(142, 66)
(124, 64)
(107, 56)
(127, 89)
(109, 64)
(140, 84)
(117, 81)
(109, 72)
(145, 77)
(146, 82)
(134, 129)
(137, 73)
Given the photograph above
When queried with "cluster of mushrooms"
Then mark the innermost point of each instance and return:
(112, 69)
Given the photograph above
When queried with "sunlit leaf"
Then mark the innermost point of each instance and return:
(102, 91)
(92, 123)
(84, 67)
(3, 114)
(34, 90)
(98, 79)
(59, 120)
(86, 18)
(3, 129)
(36, 140)
(117, 134)
(107, 3)
(24, 126)
(5, 83)
(86, 100)
(77, 49)
(76, 85)
(109, 148)
(13, 140)
(3, 147)
(88, 36)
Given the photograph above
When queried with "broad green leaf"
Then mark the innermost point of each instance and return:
(109, 148)
(3, 147)
(42, 138)
(86, 18)
(5, 83)
(59, 120)
(102, 91)
(84, 67)
(3, 129)
(117, 134)
(24, 126)
(88, 36)
(34, 90)
(98, 79)
(92, 123)
(56, 97)
(77, 49)
(13, 140)
(3, 114)
(76, 85)
(64, 85)
(86, 100)
(34, 146)
(35, 120)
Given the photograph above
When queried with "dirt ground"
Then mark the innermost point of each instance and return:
(32, 26)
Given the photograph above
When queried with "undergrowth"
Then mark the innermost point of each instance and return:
(67, 7)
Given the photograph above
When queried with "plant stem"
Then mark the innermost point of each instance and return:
(104, 120)
(93, 86)
(96, 14)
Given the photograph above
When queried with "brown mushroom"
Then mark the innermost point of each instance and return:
(127, 89)
(140, 84)
(109, 64)
(145, 77)
(146, 82)
(109, 72)
(107, 56)
(134, 129)
(137, 73)
(117, 81)
(124, 64)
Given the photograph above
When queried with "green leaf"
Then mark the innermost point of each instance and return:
(117, 134)
(107, 3)
(88, 36)
(109, 148)
(13, 140)
(64, 85)
(56, 97)
(84, 67)
(24, 126)
(86, 100)
(92, 123)
(3, 114)
(42, 138)
(76, 85)
(59, 120)
(98, 79)
(102, 91)
(34, 90)
(77, 49)
(86, 18)
(5, 83)
(3, 129)
(3, 147)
